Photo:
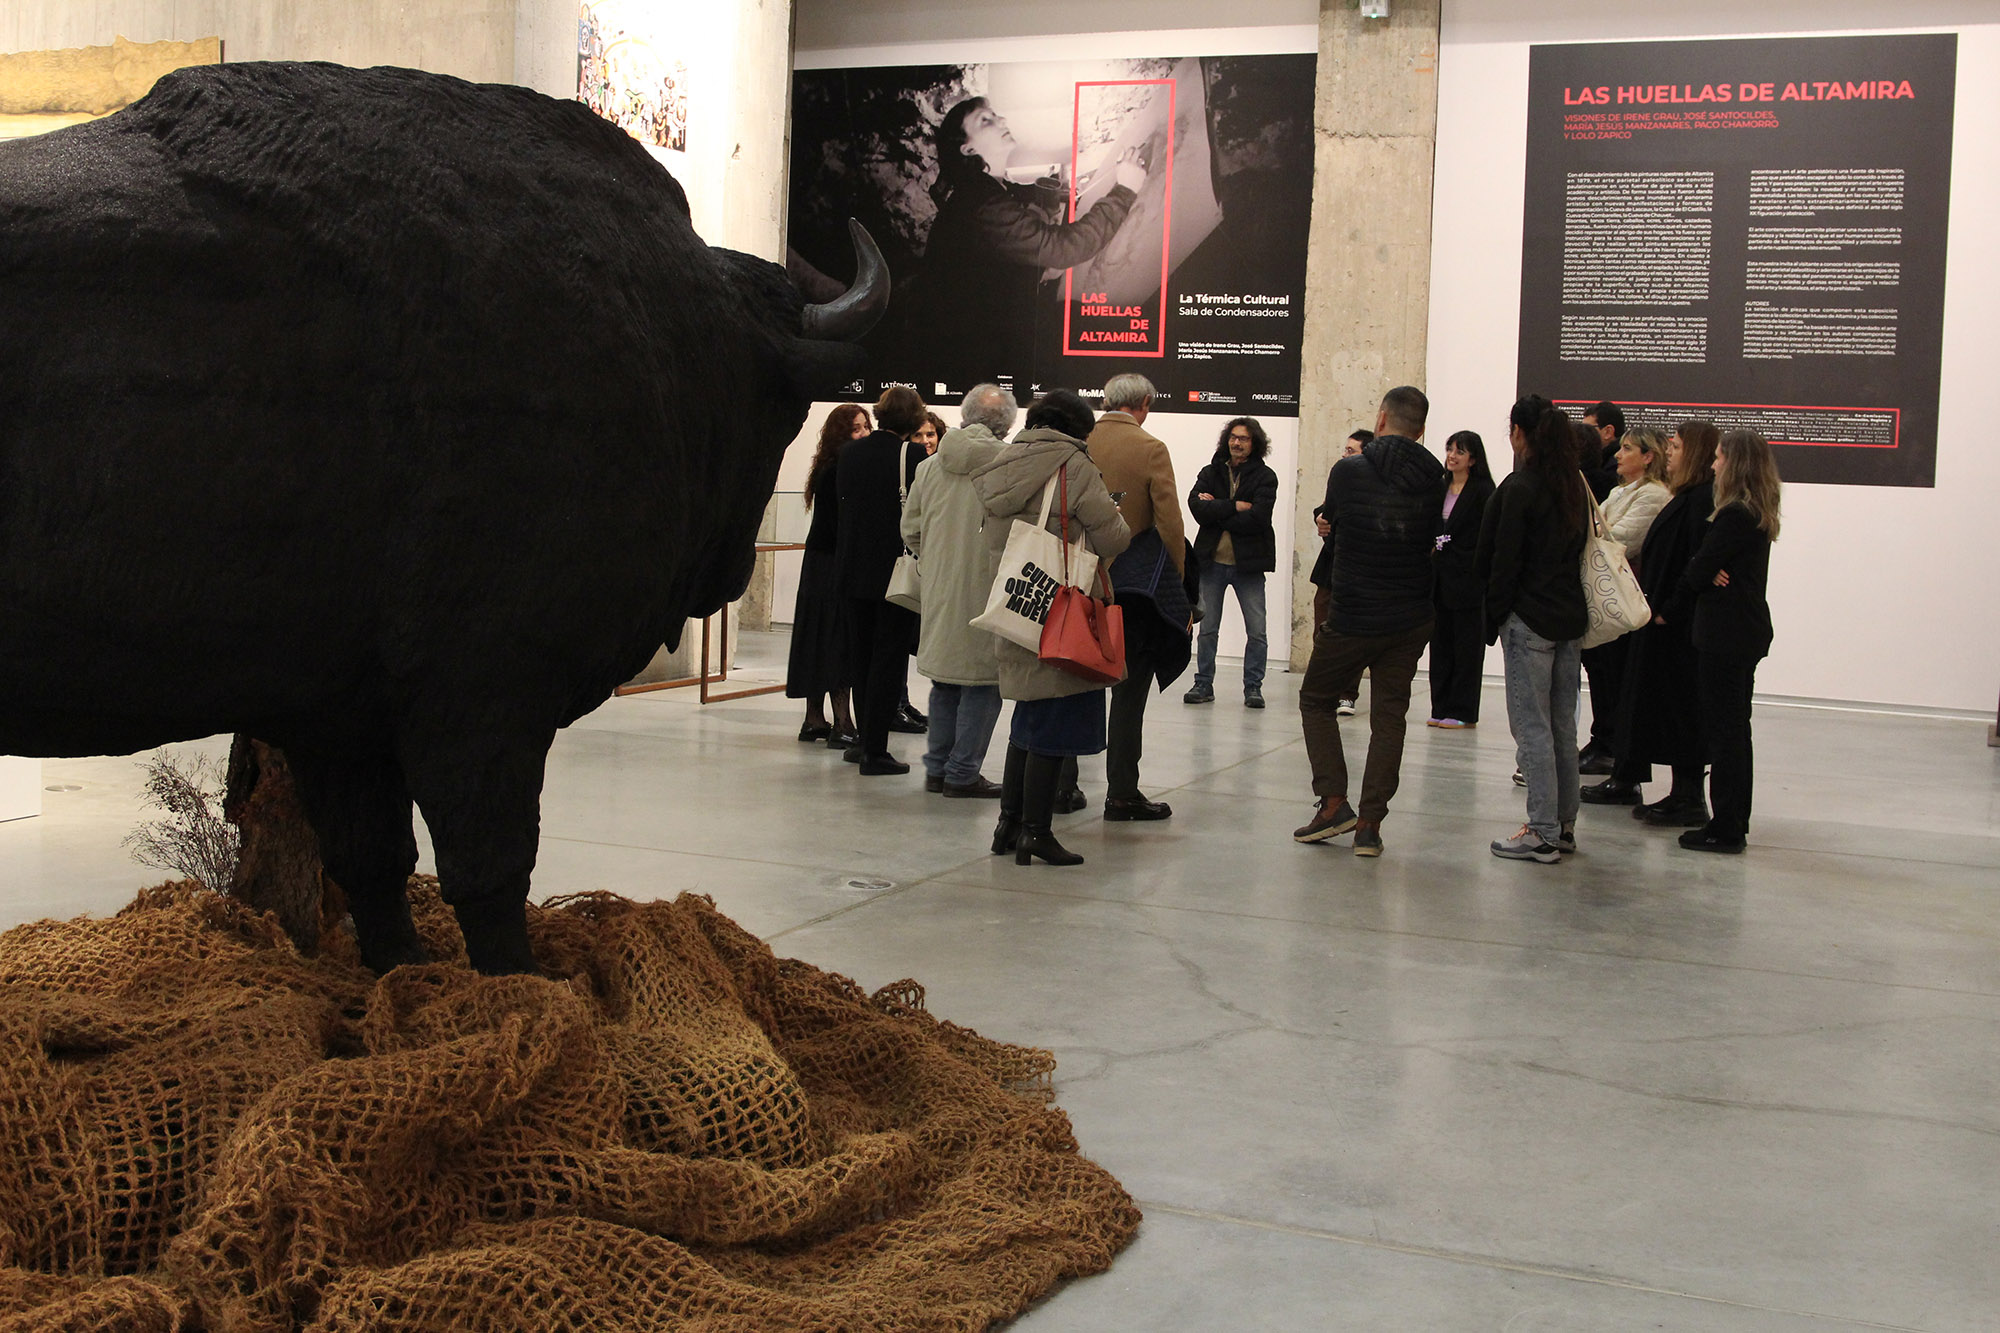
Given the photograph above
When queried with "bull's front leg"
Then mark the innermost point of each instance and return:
(481, 795)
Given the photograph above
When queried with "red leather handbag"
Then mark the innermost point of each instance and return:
(1083, 636)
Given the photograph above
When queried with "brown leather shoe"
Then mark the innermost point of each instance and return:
(979, 789)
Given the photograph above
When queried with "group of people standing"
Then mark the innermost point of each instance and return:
(1416, 554)
(1694, 514)
(875, 494)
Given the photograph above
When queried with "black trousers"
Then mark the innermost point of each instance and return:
(1604, 668)
(1125, 726)
(878, 662)
(1725, 683)
(1458, 663)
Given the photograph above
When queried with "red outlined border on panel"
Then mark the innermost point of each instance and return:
(1895, 412)
(1166, 210)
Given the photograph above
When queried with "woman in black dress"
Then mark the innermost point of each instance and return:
(1458, 642)
(1721, 597)
(817, 668)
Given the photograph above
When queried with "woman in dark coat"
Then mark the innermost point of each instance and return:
(1232, 500)
(1721, 597)
(1458, 640)
(1659, 716)
(870, 479)
(818, 664)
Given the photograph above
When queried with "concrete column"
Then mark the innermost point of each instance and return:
(1369, 261)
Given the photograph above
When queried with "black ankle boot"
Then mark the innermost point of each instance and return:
(1036, 840)
(1013, 789)
(1038, 798)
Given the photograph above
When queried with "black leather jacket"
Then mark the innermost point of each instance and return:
(1383, 505)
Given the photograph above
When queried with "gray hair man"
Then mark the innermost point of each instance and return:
(1140, 475)
(990, 406)
(941, 525)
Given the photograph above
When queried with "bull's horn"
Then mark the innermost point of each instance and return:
(853, 313)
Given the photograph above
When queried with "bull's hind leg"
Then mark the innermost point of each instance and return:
(360, 809)
(481, 796)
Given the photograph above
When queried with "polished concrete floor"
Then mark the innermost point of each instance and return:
(1644, 1088)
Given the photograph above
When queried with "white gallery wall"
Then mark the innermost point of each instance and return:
(738, 55)
(834, 34)
(1879, 594)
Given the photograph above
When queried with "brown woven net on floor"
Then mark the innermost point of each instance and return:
(200, 1129)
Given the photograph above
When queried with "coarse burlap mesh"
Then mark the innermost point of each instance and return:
(201, 1129)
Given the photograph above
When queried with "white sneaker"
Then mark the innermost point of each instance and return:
(1527, 845)
(1346, 708)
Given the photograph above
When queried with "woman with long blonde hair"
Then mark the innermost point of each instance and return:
(1721, 597)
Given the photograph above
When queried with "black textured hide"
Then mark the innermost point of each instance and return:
(389, 418)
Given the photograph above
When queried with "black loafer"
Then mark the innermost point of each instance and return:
(1708, 840)
(853, 754)
(979, 789)
(1120, 808)
(1610, 792)
(1677, 814)
(933, 785)
(841, 740)
(1071, 801)
(815, 731)
(882, 765)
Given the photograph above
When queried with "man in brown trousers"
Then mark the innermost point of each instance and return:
(1383, 506)
(1147, 576)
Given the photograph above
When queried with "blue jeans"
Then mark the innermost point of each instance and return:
(962, 718)
(1249, 596)
(1544, 678)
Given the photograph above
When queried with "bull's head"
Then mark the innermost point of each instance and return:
(848, 316)
(821, 352)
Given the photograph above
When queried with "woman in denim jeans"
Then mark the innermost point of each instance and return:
(1530, 565)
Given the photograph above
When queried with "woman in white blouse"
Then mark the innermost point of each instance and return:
(1628, 512)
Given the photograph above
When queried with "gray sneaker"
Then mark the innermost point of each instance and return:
(1367, 839)
(1527, 845)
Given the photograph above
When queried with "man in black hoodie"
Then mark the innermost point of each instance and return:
(1384, 506)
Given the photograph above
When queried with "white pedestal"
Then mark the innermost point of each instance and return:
(20, 787)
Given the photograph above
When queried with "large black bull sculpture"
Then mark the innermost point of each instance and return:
(391, 419)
